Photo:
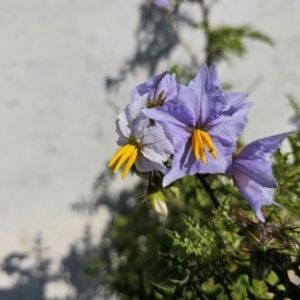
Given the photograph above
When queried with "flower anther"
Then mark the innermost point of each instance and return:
(127, 153)
(200, 141)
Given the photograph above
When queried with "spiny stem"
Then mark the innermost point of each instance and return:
(205, 9)
(155, 180)
(208, 190)
(289, 178)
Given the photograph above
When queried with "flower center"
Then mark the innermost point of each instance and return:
(126, 153)
(156, 102)
(201, 140)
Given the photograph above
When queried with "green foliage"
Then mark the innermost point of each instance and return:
(199, 252)
(287, 170)
(210, 246)
(295, 106)
(225, 41)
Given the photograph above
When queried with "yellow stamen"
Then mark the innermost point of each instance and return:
(201, 139)
(129, 164)
(124, 157)
(127, 153)
(203, 156)
(209, 143)
(118, 155)
(201, 148)
(195, 146)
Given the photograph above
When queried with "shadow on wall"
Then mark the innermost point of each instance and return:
(32, 281)
(155, 40)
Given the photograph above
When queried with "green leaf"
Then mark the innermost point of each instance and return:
(162, 289)
(224, 40)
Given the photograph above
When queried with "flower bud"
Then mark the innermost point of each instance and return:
(172, 192)
(158, 202)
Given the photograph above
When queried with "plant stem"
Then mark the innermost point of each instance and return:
(206, 28)
(208, 190)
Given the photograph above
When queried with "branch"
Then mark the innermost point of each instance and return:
(208, 190)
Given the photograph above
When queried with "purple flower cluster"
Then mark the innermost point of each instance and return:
(198, 126)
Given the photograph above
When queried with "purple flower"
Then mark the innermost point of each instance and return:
(204, 131)
(162, 4)
(160, 89)
(252, 172)
(143, 145)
